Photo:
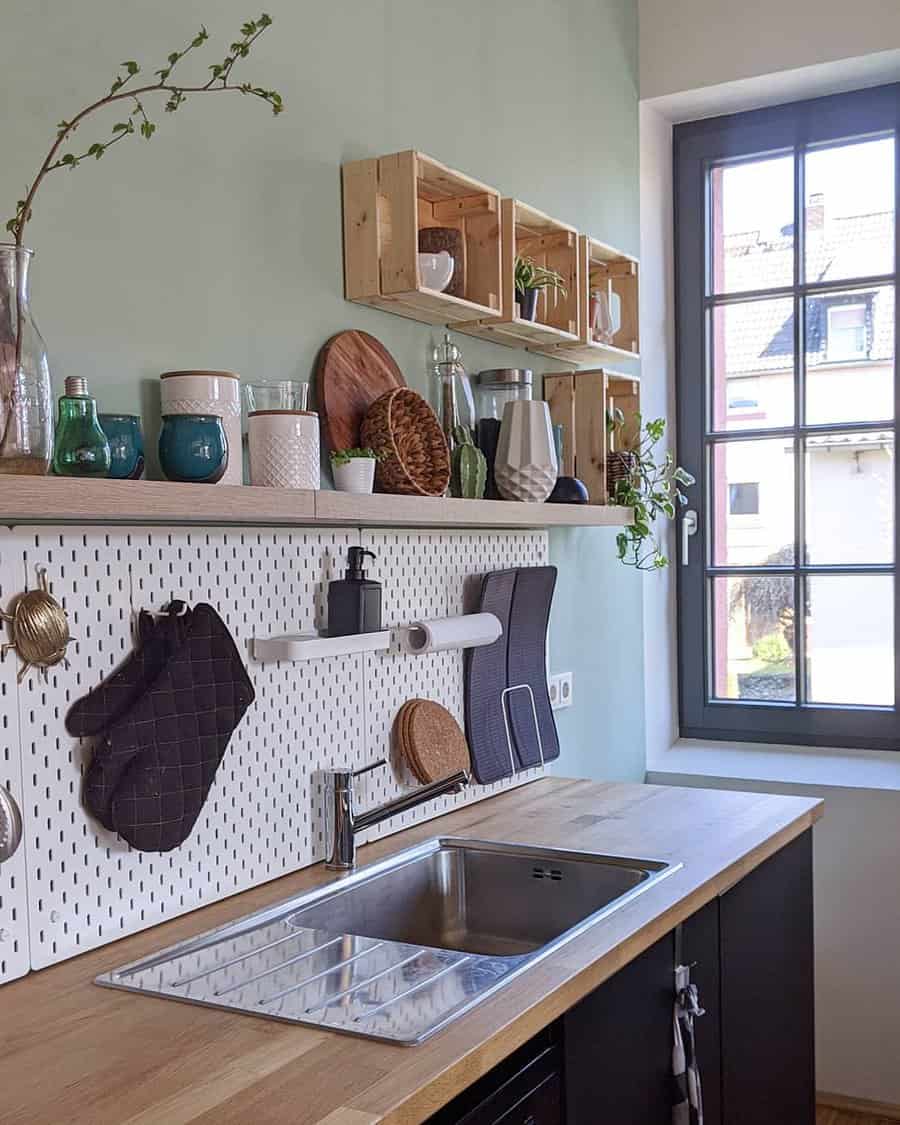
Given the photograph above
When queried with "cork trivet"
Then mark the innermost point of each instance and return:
(402, 740)
(435, 741)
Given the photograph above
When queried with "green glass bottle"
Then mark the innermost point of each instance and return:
(81, 448)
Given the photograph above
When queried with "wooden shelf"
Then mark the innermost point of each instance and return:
(388, 200)
(27, 500)
(602, 265)
(529, 233)
(579, 401)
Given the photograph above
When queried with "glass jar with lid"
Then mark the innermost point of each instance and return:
(493, 390)
(500, 385)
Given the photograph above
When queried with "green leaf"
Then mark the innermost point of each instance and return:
(621, 544)
(174, 57)
(132, 67)
(11, 225)
(123, 127)
(68, 159)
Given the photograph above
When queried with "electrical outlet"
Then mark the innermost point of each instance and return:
(560, 687)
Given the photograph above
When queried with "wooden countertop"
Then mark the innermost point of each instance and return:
(73, 1053)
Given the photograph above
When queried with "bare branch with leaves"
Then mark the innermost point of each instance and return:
(125, 89)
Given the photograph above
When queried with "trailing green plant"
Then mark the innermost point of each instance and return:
(652, 488)
(345, 456)
(529, 275)
(137, 121)
(468, 466)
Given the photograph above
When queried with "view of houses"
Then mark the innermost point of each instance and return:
(848, 340)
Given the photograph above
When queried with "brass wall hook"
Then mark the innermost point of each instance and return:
(39, 629)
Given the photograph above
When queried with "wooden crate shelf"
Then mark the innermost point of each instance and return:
(579, 401)
(527, 232)
(387, 201)
(602, 265)
(28, 500)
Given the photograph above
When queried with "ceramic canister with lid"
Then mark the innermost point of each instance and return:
(209, 392)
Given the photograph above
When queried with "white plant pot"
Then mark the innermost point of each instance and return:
(526, 467)
(284, 448)
(357, 475)
(209, 392)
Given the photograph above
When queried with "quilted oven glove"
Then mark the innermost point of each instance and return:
(153, 770)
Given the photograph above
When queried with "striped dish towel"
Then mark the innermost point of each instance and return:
(687, 1108)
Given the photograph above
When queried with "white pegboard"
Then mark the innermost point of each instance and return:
(263, 817)
(13, 900)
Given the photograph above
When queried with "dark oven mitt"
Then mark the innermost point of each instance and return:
(152, 772)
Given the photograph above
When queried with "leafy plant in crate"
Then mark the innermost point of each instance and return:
(26, 426)
(530, 279)
(652, 487)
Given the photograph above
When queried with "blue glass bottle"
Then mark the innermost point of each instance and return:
(81, 448)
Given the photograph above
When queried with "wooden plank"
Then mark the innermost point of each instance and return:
(399, 238)
(144, 1058)
(383, 510)
(25, 500)
(590, 433)
(445, 211)
(437, 181)
(360, 196)
(559, 393)
(74, 500)
(862, 1110)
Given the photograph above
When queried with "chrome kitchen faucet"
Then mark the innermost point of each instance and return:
(342, 822)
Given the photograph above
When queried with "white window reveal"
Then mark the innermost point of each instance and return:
(846, 332)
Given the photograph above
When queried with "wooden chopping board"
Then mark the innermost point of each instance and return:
(352, 371)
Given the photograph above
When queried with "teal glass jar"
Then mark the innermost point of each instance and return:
(126, 445)
(81, 448)
(193, 448)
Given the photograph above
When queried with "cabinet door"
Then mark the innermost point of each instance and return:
(525, 1089)
(766, 942)
(618, 1046)
(700, 949)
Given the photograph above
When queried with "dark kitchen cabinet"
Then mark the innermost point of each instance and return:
(608, 1060)
(525, 1089)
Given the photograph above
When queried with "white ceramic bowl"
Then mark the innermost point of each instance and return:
(436, 270)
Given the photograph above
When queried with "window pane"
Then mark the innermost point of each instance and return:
(850, 476)
(752, 349)
(850, 639)
(752, 491)
(753, 638)
(850, 211)
(752, 225)
(850, 356)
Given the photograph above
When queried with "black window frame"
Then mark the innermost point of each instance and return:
(697, 146)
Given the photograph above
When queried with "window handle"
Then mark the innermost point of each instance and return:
(689, 524)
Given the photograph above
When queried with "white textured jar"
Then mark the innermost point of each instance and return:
(526, 467)
(284, 448)
(209, 392)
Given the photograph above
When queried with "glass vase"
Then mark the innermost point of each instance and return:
(26, 400)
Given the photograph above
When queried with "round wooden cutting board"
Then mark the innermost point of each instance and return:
(352, 371)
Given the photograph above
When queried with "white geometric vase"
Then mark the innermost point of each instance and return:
(209, 392)
(284, 448)
(526, 467)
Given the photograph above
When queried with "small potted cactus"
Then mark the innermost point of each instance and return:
(354, 469)
(468, 466)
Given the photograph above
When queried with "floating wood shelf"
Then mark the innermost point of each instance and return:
(388, 200)
(25, 500)
(602, 266)
(579, 401)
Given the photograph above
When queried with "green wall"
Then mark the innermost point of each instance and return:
(218, 243)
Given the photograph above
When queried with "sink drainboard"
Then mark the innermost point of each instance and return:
(285, 963)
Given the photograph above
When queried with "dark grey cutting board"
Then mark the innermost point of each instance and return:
(526, 663)
(484, 683)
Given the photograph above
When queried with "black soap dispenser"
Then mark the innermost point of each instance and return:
(354, 601)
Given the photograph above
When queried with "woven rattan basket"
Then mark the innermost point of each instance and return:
(415, 459)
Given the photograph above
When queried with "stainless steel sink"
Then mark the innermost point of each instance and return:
(397, 950)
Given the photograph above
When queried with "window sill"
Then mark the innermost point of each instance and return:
(787, 765)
